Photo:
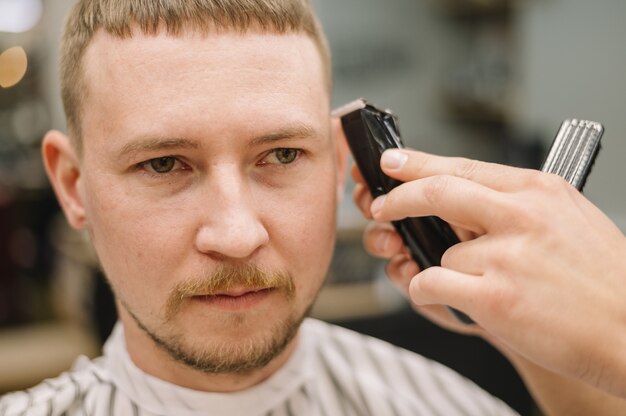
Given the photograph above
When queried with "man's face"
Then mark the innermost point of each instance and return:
(205, 154)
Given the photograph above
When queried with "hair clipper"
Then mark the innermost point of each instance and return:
(370, 131)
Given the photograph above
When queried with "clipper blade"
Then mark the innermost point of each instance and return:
(574, 150)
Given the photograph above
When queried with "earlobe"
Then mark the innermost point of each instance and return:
(342, 152)
(63, 169)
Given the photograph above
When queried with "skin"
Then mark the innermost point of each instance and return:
(523, 268)
(229, 100)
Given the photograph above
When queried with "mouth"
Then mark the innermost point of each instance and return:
(235, 299)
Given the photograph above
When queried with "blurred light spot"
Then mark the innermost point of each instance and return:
(13, 64)
(17, 16)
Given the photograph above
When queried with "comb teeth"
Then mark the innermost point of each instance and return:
(574, 150)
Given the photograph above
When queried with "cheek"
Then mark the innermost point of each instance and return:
(131, 238)
(303, 229)
(308, 210)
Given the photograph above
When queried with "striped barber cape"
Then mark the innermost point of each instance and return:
(332, 372)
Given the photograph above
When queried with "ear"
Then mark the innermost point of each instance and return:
(63, 169)
(342, 152)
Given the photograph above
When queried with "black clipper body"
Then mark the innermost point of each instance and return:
(369, 132)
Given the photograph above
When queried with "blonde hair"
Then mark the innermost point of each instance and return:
(119, 17)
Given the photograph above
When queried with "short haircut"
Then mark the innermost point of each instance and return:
(120, 17)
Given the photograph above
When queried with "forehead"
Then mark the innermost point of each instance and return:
(191, 50)
(147, 81)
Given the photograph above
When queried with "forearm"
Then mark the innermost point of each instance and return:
(560, 395)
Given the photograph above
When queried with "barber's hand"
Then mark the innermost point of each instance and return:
(381, 240)
(541, 270)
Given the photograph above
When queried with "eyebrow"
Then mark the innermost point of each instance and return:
(154, 144)
(296, 131)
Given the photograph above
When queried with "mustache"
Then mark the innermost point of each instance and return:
(225, 278)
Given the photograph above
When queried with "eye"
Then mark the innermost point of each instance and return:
(283, 156)
(162, 165)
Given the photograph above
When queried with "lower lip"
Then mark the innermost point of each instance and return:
(247, 300)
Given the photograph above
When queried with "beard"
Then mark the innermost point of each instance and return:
(246, 353)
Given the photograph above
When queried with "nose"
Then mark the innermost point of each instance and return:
(231, 225)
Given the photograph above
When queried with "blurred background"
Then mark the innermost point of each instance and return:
(486, 79)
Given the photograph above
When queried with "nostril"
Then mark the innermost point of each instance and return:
(229, 240)
(216, 256)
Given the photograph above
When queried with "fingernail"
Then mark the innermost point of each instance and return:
(393, 159)
(378, 203)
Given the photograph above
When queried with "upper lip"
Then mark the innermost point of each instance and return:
(236, 292)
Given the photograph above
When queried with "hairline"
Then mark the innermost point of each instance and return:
(74, 125)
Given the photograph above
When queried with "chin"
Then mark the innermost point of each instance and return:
(224, 343)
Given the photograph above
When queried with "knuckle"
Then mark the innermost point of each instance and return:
(534, 210)
(550, 183)
(503, 261)
(518, 214)
(502, 301)
(369, 238)
(418, 165)
(371, 234)
(466, 168)
(435, 190)
(448, 260)
(510, 252)
(389, 268)
(392, 268)
(363, 201)
(426, 281)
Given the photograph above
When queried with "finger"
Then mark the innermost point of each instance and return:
(401, 269)
(363, 199)
(463, 234)
(356, 174)
(442, 316)
(381, 240)
(438, 285)
(471, 256)
(407, 165)
(456, 200)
